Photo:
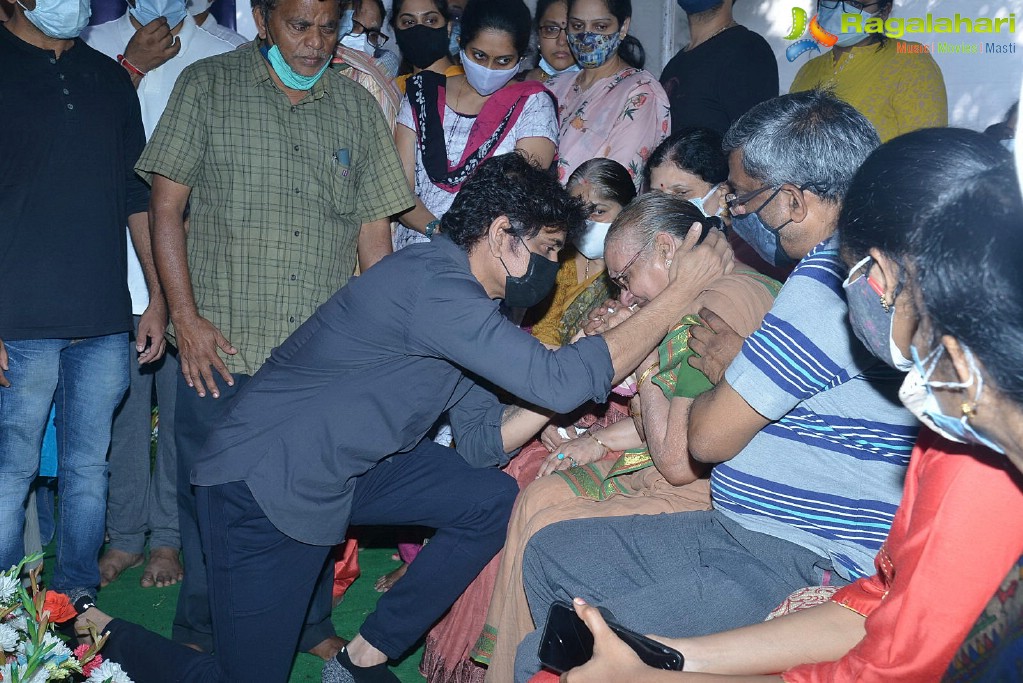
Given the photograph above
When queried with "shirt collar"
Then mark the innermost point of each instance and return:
(261, 71)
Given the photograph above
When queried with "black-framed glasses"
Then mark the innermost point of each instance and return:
(732, 201)
(552, 31)
(622, 277)
(848, 6)
(373, 36)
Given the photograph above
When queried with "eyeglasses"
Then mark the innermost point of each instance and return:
(622, 278)
(848, 6)
(732, 201)
(373, 36)
(552, 31)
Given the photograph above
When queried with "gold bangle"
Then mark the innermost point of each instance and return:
(646, 374)
(599, 442)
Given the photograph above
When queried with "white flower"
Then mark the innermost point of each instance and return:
(18, 622)
(60, 649)
(108, 671)
(9, 638)
(8, 589)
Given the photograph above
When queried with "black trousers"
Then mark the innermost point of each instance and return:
(261, 581)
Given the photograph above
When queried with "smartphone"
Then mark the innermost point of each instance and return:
(568, 643)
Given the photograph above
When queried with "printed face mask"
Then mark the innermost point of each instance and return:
(146, 11)
(917, 394)
(60, 19)
(591, 242)
(532, 287)
(456, 34)
(871, 322)
(592, 50)
(484, 80)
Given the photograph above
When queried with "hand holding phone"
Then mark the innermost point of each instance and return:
(568, 643)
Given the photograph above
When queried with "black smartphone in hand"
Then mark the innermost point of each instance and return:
(568, 643)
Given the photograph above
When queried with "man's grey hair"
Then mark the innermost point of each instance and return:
(810, 139)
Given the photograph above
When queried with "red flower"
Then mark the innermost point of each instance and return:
(59, 607)
(93, 663)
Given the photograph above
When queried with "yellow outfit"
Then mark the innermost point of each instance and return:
(567, 289)
(896, 89)
(450, 72)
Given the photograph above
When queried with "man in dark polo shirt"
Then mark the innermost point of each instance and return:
(331, 430)
(67, 189)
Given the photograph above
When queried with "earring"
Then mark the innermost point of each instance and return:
(667, 263)
(885, 305)
(969, 410)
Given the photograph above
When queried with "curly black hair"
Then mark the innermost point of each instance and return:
(508, 185)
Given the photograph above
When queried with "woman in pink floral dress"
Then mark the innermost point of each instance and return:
(612, 108)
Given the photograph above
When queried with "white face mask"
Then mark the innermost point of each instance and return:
(591, 242)
(358, 42)
(698, 203)
(483, 80)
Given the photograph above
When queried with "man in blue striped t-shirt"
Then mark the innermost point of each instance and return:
(810, 438)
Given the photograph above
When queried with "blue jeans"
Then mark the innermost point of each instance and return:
(86, 378)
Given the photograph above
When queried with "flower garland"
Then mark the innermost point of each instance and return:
(30, 650)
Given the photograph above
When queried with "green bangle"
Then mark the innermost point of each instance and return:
(431, 228)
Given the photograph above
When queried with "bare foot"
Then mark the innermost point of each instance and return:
(328, 648)
(114, 562)
(363, 654)
(163, 569)
(385, 582)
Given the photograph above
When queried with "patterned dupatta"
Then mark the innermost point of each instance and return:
(426, 94)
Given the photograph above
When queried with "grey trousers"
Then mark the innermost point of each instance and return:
(143, 497)
(677, 575)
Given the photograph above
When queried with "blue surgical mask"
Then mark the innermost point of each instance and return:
(830, 19)
(766, 241)
(872, 322)
(484, 80)
(591, 242)
(699, 201)
(917, 394)
(546, 67)
(288, 76)
(456, 33)
(60, 19)
(347, 23)
(1009, 144)
(146, 11)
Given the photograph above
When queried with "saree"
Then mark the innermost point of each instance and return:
(625, 485)
(570, 304)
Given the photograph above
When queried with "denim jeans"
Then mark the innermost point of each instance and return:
(86, 378)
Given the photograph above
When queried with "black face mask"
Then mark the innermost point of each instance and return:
(422, 45)
(533, 287)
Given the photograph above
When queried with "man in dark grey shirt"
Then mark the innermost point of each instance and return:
(330, 431)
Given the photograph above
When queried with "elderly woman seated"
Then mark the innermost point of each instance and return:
(654, 474)
(922, 213)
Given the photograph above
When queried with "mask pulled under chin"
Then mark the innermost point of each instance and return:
(289, 77)
(533, 286)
